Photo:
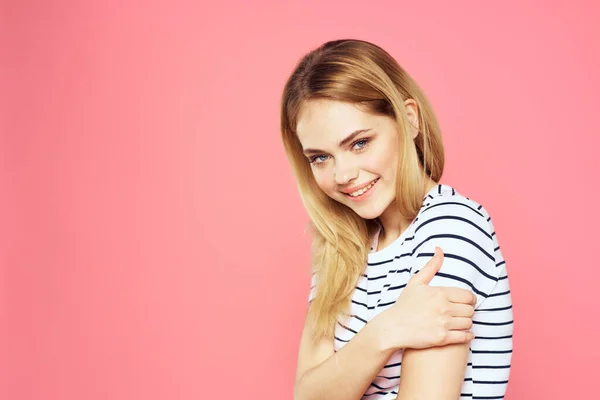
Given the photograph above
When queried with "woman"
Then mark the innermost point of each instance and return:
(386, 320)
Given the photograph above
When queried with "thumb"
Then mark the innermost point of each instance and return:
(426, 274)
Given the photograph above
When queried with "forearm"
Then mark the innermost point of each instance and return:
(347, 374)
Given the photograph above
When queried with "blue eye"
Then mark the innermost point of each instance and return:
(318, 159)
(360, 144)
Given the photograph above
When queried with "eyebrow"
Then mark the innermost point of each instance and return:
(343, 143)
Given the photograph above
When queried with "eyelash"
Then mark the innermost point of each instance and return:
(313, 160)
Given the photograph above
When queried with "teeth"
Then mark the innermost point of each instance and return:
(363, 190)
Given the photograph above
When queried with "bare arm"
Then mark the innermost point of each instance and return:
(446, 364)
(342, 375)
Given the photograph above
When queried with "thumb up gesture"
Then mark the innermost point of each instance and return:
(424, 316)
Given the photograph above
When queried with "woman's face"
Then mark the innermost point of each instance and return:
(353, 154)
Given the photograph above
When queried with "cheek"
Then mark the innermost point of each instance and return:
(324, 179)
(392, 165)
(387, 162)
(384, 164)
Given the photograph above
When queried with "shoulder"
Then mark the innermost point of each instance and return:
(461, 228)
(445, 208)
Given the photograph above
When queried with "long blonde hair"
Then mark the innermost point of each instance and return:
(363, 74)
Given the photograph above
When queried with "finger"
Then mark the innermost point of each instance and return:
(426, 274)
(454, 337)
(462, 310)
(458, 295)
(460, 323)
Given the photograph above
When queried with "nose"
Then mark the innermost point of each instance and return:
(343, 174)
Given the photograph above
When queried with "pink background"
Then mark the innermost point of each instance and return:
(151, 233)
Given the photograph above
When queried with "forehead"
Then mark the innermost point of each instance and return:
(325, 121)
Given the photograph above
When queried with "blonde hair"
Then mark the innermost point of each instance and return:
(363, 74)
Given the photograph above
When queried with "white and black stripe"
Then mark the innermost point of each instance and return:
(472, 260)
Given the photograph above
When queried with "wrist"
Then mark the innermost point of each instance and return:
(380, 335)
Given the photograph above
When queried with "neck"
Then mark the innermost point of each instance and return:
(393, 222)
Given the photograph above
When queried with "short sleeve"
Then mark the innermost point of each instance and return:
(461, 229)
(313, 287)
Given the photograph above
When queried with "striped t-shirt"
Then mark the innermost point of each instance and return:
(463, 229)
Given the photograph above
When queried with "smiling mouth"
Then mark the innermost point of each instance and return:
(363, 190)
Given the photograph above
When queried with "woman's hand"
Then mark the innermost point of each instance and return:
(425, 316)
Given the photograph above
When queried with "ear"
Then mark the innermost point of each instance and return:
(412, 112)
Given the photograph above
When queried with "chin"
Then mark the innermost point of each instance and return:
(368, 214)
(370, 211)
